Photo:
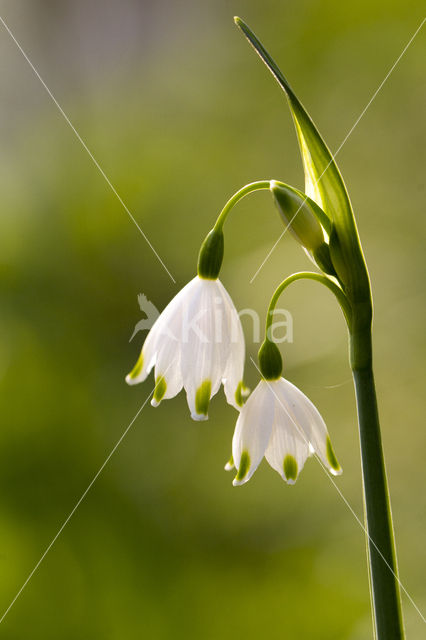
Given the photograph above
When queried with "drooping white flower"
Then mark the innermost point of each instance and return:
(279, 422)
(197, 343)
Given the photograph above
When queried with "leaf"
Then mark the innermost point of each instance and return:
(323, 181)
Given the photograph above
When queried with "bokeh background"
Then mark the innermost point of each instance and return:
(179, 113)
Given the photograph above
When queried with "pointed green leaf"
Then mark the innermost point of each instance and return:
(323, 182)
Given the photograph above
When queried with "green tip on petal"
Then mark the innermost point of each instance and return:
(230, 464)
(243, 468)
(241, 393)
(202, 398)
(332, 460)
(159, 391)
(135, 372)
(290, 469)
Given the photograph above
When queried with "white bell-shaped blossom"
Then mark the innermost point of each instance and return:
(279, 422)
(197, 343)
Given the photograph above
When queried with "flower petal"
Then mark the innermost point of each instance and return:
(168, 370)
(235, 390)
(146, 359)
(202, 360)
(168, 324)
(287, 450)
(252, 432)
(230, 464)
(307, 417)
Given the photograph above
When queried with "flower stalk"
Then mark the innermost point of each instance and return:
(309, 275)
(259, 185)
(386, 597)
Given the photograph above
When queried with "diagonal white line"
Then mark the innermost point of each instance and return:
(268, 255)
(86, 148)
(72, 512)
(301, 433)
(373, 97)
(333, 156)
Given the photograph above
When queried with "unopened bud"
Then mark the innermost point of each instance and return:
(298, 215)
(343, 270)
(322, 257)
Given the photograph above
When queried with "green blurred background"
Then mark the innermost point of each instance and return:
(179, 113)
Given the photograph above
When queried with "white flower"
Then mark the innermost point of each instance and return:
(196, 343)
(279, 422)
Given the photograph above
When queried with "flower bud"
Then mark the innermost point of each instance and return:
(298, 215)
(322, 257)
(337, 256)
(211, 255)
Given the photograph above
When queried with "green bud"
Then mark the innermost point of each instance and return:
(322, 257)
(297, 213)
(211, 255)
(270, 361)
(340, 265)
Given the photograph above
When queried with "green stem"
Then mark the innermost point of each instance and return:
(386, 597)
(249, 188)
(308, 275)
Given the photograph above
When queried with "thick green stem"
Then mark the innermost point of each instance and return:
(386, 598)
